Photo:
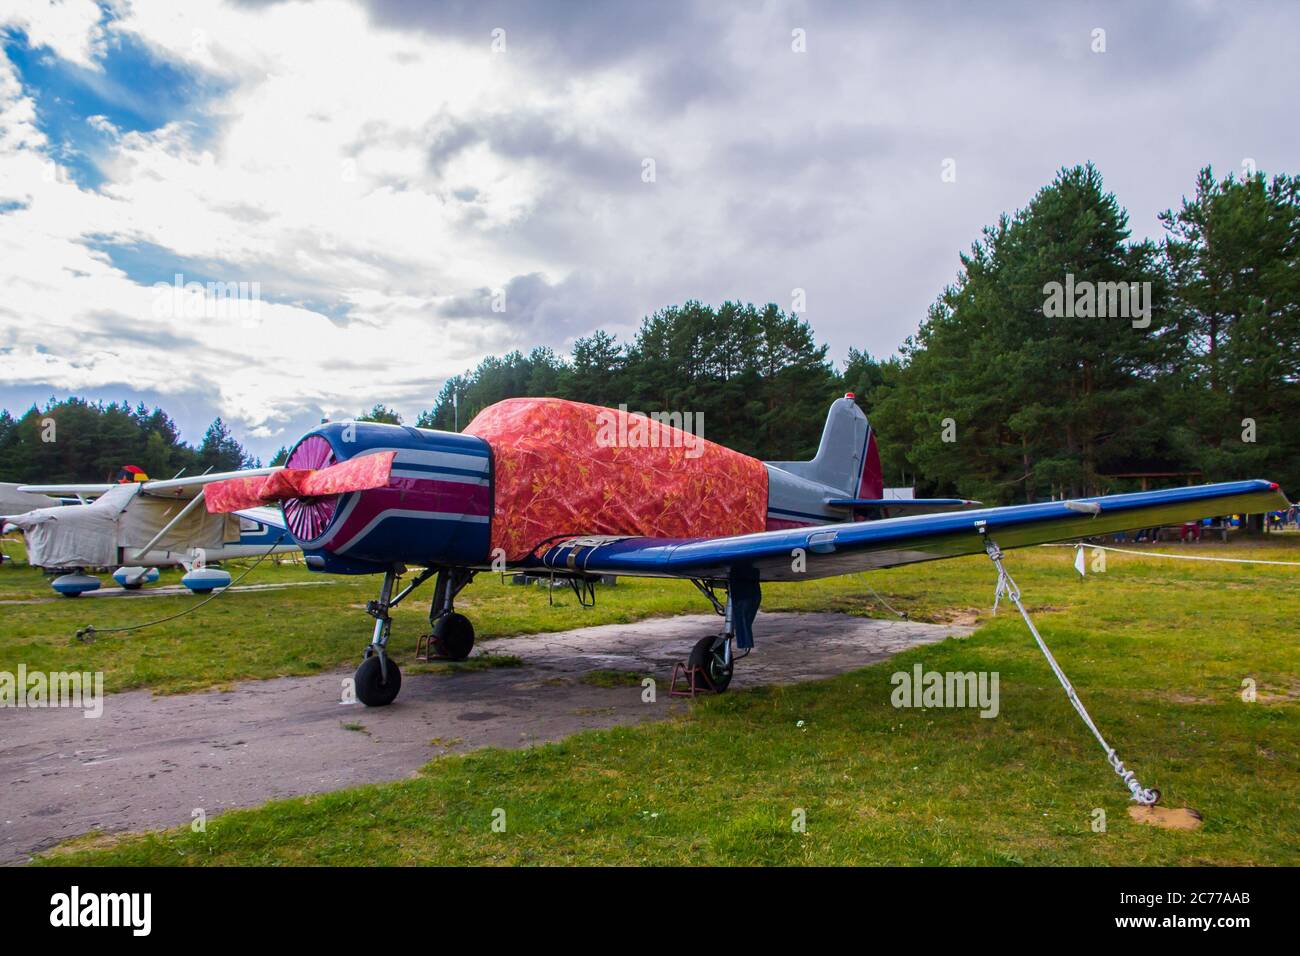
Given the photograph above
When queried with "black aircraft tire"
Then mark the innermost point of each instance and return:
(372, 689)
(453, 638)
(703, 655)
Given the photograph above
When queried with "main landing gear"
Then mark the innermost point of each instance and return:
(711, 663)
(378, 679)
(452, 637)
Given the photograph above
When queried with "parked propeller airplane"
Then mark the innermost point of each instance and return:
(575, 491)
(138, 525)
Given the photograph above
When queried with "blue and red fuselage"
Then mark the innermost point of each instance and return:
(438, 506)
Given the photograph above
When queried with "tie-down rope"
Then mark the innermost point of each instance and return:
(87, 634)
(1176, 557)
(1008, 587)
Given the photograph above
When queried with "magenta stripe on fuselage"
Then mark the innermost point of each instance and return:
(440, 498)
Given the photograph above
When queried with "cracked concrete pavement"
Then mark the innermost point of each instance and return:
(149, 761)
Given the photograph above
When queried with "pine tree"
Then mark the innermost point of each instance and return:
(1233, 251)
(220, 451)
(1037, 402)
(381, 413)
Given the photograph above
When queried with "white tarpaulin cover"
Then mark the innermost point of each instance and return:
(75, 536)
(15, 502)
(148, 515)
(89, 536)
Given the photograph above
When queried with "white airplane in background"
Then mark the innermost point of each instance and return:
(139, 526)
(13, 501)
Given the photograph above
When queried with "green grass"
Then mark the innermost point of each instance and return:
(295, 631)
(605, 677)
(478, 662)
(1157, 649)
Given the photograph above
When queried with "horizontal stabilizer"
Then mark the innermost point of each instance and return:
(901, 504)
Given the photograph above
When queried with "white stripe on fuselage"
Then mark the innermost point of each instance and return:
(440, 476)
(436, 459)
(408, 513)
(442, 459)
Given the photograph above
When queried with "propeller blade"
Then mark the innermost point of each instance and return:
(356, 474)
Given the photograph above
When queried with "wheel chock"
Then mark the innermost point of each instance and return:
(688, 675)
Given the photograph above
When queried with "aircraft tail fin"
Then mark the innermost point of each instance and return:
(847, 458)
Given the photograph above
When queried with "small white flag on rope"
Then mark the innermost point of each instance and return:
(1079, 564)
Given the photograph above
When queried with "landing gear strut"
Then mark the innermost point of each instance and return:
(453, 635)
(711, 662)
(378, 679)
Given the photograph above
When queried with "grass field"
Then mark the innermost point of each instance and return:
(1158, 650)
(295, 631)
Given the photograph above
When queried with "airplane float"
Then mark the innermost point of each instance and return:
(538, 485)
(138, 525)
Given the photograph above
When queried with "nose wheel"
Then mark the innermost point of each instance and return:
(377, 682)
(378, 679)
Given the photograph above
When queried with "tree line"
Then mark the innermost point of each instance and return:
(999, 398)
(1065, 359)
(76, 440)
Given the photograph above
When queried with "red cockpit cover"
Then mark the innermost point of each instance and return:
(565, 468)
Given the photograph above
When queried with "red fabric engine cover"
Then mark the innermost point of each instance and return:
(565, 468)
(358, 474)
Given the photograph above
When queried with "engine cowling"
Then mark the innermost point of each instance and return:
(435, 509)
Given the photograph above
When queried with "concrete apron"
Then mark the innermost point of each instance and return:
(149, 761)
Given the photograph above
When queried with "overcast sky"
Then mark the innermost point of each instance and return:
(383, 169)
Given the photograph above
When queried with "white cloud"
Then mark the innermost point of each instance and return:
(367, 166)
(316, 185)
(69, 28)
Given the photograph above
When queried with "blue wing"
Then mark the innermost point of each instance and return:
(864, 545)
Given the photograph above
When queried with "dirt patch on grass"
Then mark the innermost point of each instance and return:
(964, 616)
(91, 841)
(1189, 699)
(1279, 695)
(1167, 818)
(1271, 694)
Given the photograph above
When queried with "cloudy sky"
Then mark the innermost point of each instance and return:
(388, 171)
